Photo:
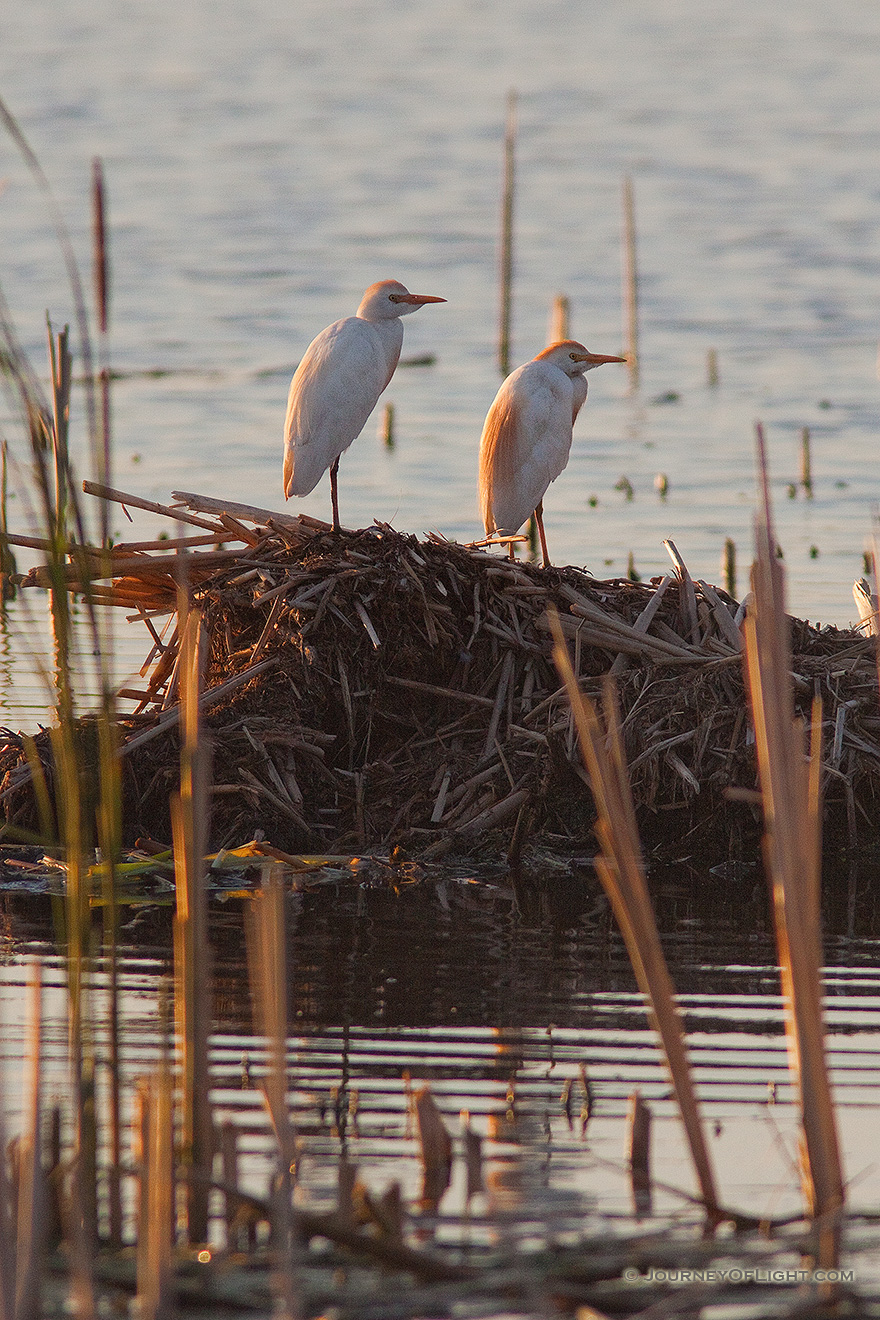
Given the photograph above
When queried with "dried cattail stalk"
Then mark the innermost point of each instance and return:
(621, 871)
(790, 790)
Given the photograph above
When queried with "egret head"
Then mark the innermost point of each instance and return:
(572, 358)
(389, 299)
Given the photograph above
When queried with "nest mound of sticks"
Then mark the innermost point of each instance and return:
(367, 690)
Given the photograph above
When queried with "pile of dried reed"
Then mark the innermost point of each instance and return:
(367, 689)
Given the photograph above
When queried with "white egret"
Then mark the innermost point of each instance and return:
(337, 383)
(527, 435)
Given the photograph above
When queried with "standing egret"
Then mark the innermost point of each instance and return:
(336, 385)
(527, 435)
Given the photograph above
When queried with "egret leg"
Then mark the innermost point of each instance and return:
(333, 496)
(539, 519)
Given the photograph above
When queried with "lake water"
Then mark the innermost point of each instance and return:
(265, 163)
(497, 1004)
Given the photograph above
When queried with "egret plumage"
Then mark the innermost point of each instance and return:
(527, 435)
(337, 383)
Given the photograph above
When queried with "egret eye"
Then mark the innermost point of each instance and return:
(573, 357)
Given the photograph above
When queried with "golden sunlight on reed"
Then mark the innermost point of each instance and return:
(791, 796)
(622, 873)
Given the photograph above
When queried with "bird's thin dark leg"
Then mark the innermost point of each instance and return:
(333, 496)
(539, 519)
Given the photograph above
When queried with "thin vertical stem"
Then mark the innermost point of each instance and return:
(267, 957)
(102, 302)
(31, 1232)
(191, 952)
(792, 845)
(630, 282)
(559, 319)
(806, 464)
(621, 870)
(506, 273)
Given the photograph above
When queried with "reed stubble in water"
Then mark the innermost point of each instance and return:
(791, 796)
(621, 871)
(189, 818)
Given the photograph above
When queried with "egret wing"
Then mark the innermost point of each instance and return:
(333, 391)
(525, 444)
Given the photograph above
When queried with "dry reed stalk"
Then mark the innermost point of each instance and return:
(638, 1152)
(301, 523)
(472, 1143)
(101, 273)
(621, 872)
(712, 378)
(154, 1247)
(386, 426)
(150, 506)
(630, 282)
(806, 464)
(506, 259)
(267, 958)
(189, 819)
(435, 1145)
(110, 780)
(7, 1225)
(791, 795)
(559, 319)
(32, 1224)
(687, 587)
(61, 365)
(728, 566)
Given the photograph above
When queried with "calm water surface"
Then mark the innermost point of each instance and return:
(265, 163)
(498, 1003)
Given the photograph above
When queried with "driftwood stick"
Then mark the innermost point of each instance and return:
(622, 638)
(433, 690)
(722, 615)
(270, 623)
(690, 596)
(291, 522)
(131, 566)
(497, 813)
(208, 699)
(150, 506)
(500, 695)
(644, 621)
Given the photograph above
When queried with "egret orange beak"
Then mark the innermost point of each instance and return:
(416, 299)
(596, 359)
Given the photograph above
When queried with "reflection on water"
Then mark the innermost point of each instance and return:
(506, 1005)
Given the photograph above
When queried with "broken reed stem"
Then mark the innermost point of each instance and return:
(101, 274)
(31, 1228)
(806, 464)
(267, 956)
(728, 566)
(630, 282)
(621, 872)
(790, 790)
(189, 819)
(61, 367)
(559, 319)
(110, 798)
(638, 1149)
(506, 265)
(154, 1244)
(386, 426)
